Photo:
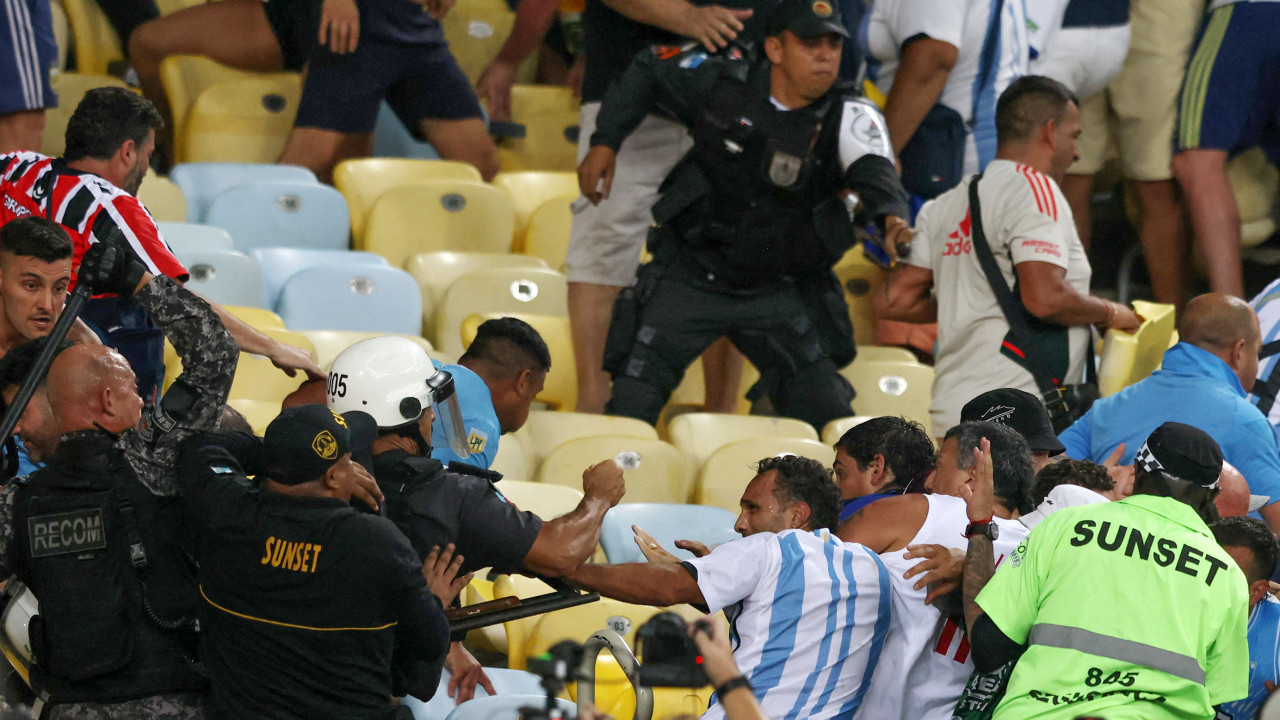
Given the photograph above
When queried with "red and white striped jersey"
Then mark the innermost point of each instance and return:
(89, 207)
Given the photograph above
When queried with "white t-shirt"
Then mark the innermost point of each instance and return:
(962, 23)
(810, 614)
(926, 664)
(1024, 214)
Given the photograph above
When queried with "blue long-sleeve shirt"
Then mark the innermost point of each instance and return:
(1194, 387)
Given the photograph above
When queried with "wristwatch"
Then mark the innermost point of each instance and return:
(986, 528)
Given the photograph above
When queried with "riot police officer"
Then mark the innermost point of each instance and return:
(394, 381)
(753, 217)
(96, 533)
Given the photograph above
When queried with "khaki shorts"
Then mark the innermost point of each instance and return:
(1135, 117)
(605, 240)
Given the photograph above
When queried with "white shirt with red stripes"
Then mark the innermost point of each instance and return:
(1026, 219)
(89, 207)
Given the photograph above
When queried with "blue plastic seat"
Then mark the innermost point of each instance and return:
(225, 277)
(363, 297)
(505, 682)
(281, 263)
(392, 139)
(505, 707)
(202, 182)
(667, 523)
(276, 213)
(188, 237)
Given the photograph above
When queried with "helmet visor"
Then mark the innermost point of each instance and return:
(444, 400)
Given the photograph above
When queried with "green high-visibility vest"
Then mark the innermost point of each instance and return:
(1130, 610)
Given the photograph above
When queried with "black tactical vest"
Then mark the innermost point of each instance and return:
(756, 198)
(117, 596)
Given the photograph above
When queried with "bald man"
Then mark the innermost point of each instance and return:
(95, 533)
(1203, 383)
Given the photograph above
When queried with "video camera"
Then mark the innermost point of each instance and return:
(669, 658)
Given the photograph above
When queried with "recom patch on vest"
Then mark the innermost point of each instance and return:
(72, 532)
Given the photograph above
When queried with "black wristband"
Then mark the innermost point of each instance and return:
(733, 684)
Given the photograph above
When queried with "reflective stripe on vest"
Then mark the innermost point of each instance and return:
(1136, 653)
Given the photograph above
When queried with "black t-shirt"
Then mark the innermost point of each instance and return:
(435, 507)
(305, 598)
(613, 40)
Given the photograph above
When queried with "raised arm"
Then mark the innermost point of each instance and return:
(712, 25)
(566, 542)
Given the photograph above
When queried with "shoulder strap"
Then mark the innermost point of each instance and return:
(1010, 305)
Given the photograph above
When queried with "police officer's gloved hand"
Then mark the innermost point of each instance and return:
(110, 267)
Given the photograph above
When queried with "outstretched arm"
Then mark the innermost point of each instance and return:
(659, 584)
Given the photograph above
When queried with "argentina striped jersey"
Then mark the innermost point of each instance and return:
(808, 616)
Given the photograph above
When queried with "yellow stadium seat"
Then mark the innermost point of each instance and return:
(96, 43)
(544, 431)
(1126, 358)
(883, 352)
(476, 30)
(532, 636)
(363, 180)
(512, 461)
(61, 35)
(246, 120)
(548, 234)
(1254, 181)
(168, 7)
(329, 344)
(662, 475)
(256, 378)
(615, 696)
(561, 388)
(436, 271)
(531, 291)
(698, 435)
(433, 215)
(892, 387)
(859, 277)
(185, 77)
(162, 198)
(546, 501)
(259, 413)
(549, 115)
(71, 88)
(836, 429)
(726, 473)
(528, 189)
(257, 317)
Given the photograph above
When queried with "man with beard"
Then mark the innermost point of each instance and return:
(91, 192)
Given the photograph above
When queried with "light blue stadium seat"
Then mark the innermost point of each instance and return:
(505, 707)
(226, 277)
(667, 523)
(202, 182)
(189, 237)
(505, 682)
(392, 139)
(362, 297)
(276, 213)
(281, 263)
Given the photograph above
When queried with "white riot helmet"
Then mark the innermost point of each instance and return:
(392, 379)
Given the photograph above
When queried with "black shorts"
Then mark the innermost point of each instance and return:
(296, 24)
(420, 82)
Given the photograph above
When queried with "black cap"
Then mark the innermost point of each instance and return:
(1021, 411)
(1183, 452)
(305, 441)
(806, 18)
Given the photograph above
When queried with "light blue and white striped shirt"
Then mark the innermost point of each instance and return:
(1264, 659)
(808, 616)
